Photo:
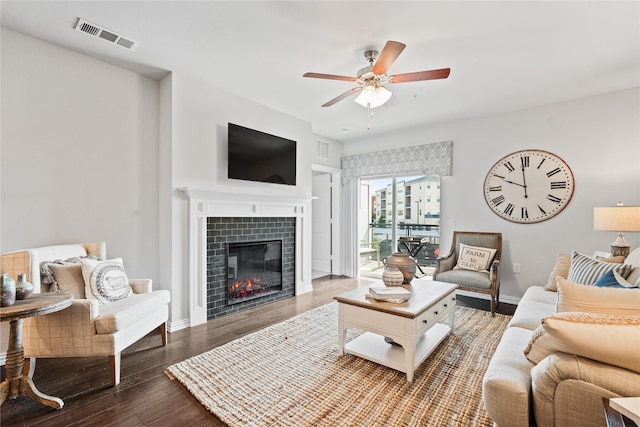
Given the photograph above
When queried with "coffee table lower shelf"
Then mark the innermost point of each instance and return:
(373, 347)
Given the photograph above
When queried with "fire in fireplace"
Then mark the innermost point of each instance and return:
(254, 270)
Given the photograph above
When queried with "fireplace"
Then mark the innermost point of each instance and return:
(218, 217)
(254, 270)
(251, 261)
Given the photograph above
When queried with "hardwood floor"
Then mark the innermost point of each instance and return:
(146, 395)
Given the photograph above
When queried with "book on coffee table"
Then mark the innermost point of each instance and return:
(391, 294)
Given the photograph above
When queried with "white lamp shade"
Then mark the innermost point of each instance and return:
(617, 218)
(373, 96)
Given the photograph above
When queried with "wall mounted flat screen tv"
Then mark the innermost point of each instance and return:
(261, 157)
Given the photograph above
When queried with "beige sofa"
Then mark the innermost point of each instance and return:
(562, 389)
(87, 327)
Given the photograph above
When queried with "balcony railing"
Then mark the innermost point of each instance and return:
(428, 252)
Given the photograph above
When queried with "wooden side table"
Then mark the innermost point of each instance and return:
(16, 383)
(617, 418)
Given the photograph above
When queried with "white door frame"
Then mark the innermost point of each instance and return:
(336, 225)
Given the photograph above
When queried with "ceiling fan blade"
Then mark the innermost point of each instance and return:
(329, 77)
(341, 97)
(387, 57)
(441, 73)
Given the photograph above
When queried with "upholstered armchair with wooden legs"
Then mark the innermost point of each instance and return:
(88, 327)
(485, 281)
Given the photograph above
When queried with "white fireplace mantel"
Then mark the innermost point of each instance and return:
(204, 203)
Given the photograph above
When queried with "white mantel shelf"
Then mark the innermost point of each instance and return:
(220, 203)
(206, 203)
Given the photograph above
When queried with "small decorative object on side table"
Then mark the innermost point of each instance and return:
(24, 289)
(16, 383)
(7, 290)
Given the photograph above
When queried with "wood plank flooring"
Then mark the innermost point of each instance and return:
(145, 395)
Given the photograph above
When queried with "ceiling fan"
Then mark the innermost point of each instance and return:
(370, 78)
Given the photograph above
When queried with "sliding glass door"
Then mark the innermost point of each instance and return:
(399, 214)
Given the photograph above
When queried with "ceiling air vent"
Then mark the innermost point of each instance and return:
(104, 34)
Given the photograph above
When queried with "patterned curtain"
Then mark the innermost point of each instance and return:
(436, 158)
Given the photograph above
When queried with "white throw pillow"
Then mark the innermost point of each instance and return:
(474, 258)
(105, 281)
(605, 338)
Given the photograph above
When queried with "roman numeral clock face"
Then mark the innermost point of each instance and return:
(528, 186)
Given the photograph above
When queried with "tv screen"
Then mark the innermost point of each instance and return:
(258, 156)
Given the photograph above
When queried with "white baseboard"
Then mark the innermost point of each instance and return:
(503, 298)
(177, 325)
(3, 359)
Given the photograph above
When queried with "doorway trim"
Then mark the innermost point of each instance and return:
(336, 223)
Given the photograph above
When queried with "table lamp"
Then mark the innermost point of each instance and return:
(617, 218)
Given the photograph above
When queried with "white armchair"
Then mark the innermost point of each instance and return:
(87, 327)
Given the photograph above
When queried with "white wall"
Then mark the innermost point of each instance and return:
(94, 152)
(335, 149)
(200, 115)
(598, 136)
(79, 153)
(91, 151)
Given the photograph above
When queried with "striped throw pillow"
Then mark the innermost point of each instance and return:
(586, 270)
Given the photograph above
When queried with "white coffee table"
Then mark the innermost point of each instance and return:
(414, 324)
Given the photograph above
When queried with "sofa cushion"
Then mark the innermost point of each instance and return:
(593, 299)
(587, 270)
(539, 294)
(119, 315)
(619, 259)
(611, 339)
(466, 278)
(69, 278)
(507, 382)
(105, 281)
(529, 315)
(561, 268)
(535, 304)
(474, 257)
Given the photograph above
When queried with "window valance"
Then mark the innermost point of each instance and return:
(435, 158)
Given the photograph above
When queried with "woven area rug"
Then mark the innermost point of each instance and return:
(290, 374)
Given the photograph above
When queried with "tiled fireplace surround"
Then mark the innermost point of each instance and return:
(222, 230)
(235, 209)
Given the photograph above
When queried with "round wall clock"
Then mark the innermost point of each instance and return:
(528, 186)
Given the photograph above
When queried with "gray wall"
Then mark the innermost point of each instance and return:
(94, 152)
(79, 153)
(598, 136)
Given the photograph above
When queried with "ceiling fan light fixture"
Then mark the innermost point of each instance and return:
(373, 96)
